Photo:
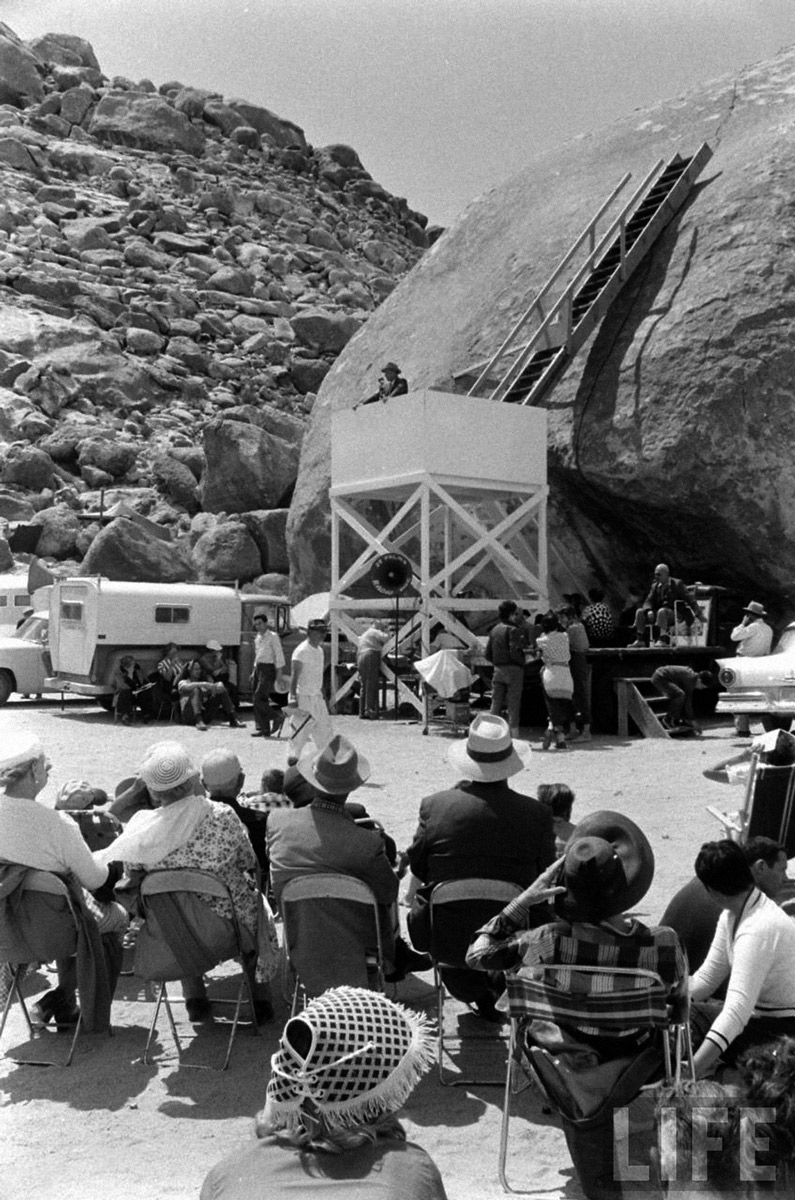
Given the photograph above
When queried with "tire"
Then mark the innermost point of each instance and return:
(6, 686)
(105, 702)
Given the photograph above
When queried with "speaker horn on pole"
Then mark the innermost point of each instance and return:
(391, 574)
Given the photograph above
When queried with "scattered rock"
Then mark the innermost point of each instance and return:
(227, 552)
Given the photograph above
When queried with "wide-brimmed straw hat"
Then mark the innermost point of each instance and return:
(337, 769)
(489, 752)
(755, 608)
(351, 1056)
(608, 868)
(166, 766)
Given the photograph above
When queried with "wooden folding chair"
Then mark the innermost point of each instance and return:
(768, 805)
(215, 940)
(490, 896)
(42, 946)
(317, 905)
(611, 999)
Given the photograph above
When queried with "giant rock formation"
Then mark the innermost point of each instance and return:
(672, 435)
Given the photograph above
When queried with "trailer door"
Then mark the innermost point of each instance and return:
(75, 616)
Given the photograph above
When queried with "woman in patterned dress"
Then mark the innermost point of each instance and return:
(188, 830)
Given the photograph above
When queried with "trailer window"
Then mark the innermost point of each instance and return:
(71, 611)
(21, 600)
(168, 614)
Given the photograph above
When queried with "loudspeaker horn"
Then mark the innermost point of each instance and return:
(39, 576)
(391, 574)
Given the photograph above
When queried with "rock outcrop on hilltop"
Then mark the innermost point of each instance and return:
(178, 272)
(672, 435)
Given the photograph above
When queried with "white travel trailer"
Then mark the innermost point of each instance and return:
(94, 622)
(15, 598)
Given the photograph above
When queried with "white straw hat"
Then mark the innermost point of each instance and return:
(489, 752)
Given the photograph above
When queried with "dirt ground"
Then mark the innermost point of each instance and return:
(111, 1126)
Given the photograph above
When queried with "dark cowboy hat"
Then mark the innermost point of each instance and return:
(608, 868)
(391, 368)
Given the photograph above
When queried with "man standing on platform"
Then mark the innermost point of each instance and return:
(306, 687)
(755, 639)
(268, 660)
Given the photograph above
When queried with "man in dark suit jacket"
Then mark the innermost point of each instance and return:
(323, 837)
(480, 828)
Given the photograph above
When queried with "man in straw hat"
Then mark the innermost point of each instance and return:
(343, 1069)
(607, 869)
(754, 639)
(322, 837)
(479, 828)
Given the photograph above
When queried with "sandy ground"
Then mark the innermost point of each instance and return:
(111, 1126)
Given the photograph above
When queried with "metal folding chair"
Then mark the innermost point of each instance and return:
(611, 999)
(491, 896)
(158, 885)
(359, 963)
(768, 805)
(18, 951)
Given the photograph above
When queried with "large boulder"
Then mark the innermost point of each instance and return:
(227, 552)
(66, 49)
(672, 435)
(126, 550)
(280, 132)
(27, 467)
(20, 82)
(247, 468)
(269, 531)
(324, 331)
(60, 532)
(145, 122)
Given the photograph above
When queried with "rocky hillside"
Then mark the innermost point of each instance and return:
(672, 436)
(178, 272)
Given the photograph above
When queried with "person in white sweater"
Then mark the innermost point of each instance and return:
(754, 947)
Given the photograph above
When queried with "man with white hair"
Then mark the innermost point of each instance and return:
(223, 778)
(659, 608)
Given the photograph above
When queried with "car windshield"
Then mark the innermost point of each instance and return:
(786, 641)
(34, 629)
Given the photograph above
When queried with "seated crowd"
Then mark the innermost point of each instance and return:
(347, 1062)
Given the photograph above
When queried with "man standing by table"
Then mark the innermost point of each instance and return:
(268, 660)
(755, 639)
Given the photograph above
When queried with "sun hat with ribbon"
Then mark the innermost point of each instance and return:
(608, 868)
(489, 752)
(351, 1056)
(337, 769)
(166, 766)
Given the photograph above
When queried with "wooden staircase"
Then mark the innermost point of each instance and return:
(575, 298)
(639, 701)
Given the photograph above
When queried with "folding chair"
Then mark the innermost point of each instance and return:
(44, 891)
(168, 900)
(586, 1099)
(484, 898)
(332, 934)
(768, 805)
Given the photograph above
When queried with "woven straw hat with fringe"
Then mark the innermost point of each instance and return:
(361, 1056)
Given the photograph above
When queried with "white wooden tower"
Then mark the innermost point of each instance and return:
(458, 485)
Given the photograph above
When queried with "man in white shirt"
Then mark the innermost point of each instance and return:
(306, 688)
(755, 639)
(268, 660)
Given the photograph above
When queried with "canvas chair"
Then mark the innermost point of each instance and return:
(45, 893)
(332, 934)
(182, 936)
(450, 939)
(612, 999)
(768, 805)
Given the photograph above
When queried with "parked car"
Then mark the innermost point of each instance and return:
(25, 659)
(763, 687)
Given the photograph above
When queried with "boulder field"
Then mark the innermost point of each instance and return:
(178, 272)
